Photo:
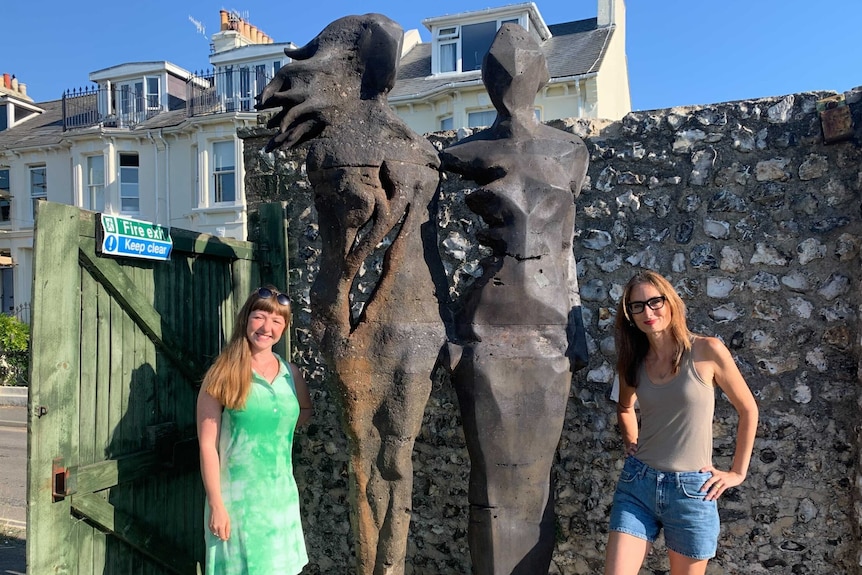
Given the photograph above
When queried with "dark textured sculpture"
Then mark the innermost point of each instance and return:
(374, 182)
(518, 333)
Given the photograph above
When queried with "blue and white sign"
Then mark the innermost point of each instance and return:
(131, 238)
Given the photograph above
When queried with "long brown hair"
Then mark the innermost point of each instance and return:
(229, 378)
(631, 343)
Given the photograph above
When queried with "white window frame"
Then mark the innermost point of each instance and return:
(38, 190)
(456, 64)
(94, 199)
(223, 173)
(453, 34)
(129, 190)
(152, 100)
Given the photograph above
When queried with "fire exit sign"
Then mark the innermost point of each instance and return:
(127, 237)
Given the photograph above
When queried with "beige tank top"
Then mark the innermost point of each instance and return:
(676, 420)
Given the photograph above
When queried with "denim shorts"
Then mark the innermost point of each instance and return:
(647, 500)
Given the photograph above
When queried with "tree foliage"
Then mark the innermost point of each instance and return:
(14, 346)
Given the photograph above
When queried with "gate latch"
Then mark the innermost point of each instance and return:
(64, 481)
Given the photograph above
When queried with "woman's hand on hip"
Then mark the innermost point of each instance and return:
(720, 481)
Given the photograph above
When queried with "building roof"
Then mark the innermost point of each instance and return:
(46, 130)
(574, 49)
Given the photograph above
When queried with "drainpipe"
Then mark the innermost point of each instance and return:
(167, 177)
(156, 170)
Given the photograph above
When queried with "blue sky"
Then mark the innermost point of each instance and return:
(680, 52)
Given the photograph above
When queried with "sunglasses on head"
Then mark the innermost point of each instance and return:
(266, 293)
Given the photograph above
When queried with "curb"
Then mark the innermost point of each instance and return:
(13, 396)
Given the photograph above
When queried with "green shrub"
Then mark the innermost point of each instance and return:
(14, 354)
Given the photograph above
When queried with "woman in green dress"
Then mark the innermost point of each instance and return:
(249, 405)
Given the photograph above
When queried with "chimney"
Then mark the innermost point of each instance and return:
(223, 19)
(607, 13)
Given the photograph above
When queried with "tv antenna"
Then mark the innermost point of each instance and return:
(199, 26)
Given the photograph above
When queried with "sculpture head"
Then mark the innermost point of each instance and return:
(514, 70)
(353, 59)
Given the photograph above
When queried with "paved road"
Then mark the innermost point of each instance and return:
(13, 490)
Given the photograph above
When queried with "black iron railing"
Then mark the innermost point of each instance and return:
(112, 108)
(231, 90)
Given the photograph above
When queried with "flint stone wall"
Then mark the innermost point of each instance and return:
(757, 223)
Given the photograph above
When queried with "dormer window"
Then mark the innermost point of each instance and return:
(462, 47)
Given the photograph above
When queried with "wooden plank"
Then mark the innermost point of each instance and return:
(54, 360)
(272, 255)
(109, 273)
(87, 443)
(186, 241)
(102, 431)
(83, 538)
(142, 538)
(204, 244)
(88, 387)
(123, 469)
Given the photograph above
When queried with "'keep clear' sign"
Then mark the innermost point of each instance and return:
(130, 238)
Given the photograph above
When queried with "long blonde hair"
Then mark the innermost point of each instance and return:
(631, 343)
(228, 380)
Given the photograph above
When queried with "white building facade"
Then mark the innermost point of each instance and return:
(440, 87)
(150, 141)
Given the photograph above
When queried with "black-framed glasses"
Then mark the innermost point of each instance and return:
(266, 293)
(654, 303)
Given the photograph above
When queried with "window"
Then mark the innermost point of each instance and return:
(38, 188)
(95, 199)
(448, 32)
(449, 57)
(227, 93)
(224, 172)
(152, 94)
(130, 189)
(447, 123)
(131, 98)
(461, 48)
(5, 196)
(476, 39)
(245, 95)
(4, 120)
(481, 119)
(259, 78)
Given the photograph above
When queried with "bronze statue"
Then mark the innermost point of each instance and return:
(518, 330)
(374, 182)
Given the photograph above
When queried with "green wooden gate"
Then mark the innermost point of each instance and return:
(118, 350)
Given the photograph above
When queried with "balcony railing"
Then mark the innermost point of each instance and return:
(206, 93)
(212, 92)
(87, 107)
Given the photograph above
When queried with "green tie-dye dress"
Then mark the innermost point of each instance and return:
(257, 484)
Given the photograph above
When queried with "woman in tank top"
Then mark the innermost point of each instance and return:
(668, 480)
